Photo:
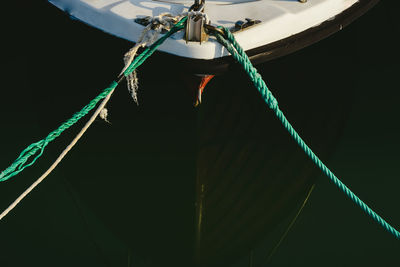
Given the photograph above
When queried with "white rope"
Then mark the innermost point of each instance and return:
(164, 21)
(59, 159)
(104, 114)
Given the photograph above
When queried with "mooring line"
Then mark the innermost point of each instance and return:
(20, 164)
(229, 42)
(61, 156)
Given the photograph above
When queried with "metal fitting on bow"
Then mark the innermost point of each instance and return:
(195, 30)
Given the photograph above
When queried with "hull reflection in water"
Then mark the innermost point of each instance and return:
(251, 176)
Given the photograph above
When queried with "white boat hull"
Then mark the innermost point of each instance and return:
(280, 19)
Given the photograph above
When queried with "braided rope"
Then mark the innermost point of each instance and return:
(21, 162)
(38, 148)
(240, 56)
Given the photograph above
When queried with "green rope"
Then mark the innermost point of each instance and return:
(240, 56)
(38, 148)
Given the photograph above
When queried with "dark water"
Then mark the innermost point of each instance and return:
(82, 216)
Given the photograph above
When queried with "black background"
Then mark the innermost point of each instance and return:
(52, 66)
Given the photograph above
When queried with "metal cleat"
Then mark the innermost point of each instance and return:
(241, 25)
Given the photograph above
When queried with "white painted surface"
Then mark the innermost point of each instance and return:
(280, 19)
